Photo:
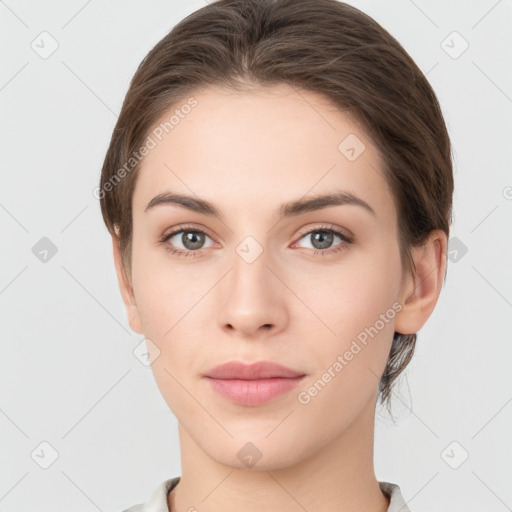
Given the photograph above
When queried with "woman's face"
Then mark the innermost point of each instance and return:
(315, 289)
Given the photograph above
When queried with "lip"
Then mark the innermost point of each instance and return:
(252, 384)
(259, 370)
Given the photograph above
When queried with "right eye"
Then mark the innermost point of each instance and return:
(185, 241)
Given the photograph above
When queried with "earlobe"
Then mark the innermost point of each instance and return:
(420, 291)
(125, 287)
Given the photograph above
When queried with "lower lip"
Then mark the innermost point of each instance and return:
(253, 392)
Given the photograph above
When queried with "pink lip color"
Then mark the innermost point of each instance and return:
(253, 392)
(252, 384)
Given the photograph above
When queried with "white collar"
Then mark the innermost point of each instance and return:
(158, 500)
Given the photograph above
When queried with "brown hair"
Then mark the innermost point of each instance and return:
(323, 46)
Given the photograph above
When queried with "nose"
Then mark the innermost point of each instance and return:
(252, 299)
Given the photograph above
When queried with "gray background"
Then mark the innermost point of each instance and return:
(68, 375)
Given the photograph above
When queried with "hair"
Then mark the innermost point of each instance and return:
(323, 46)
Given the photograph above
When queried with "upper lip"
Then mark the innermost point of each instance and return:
(259, 370)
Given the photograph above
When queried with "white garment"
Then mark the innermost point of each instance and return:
(158, 500)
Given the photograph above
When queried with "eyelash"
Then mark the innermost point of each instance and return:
(346, 239)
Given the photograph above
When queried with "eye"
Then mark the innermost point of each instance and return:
(322, 239)
(186, 241)
(189, 241)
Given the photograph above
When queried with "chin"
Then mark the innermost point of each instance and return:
(259, 454)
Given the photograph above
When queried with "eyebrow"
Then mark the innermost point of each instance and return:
(289, 209)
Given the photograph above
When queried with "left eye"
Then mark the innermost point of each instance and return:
(321, 239)
(190, 239)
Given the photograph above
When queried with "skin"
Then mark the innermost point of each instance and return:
(247, 153)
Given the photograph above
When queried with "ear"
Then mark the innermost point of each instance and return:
(420, 290)
(126, 289)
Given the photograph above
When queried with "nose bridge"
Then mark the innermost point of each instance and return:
(251, 298)
(250, 276)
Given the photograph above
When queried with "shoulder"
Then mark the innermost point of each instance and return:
(396, 500)
(158, 499)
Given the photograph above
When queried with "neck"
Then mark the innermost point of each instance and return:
(337, 476)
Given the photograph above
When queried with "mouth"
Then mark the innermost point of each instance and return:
(254, 384)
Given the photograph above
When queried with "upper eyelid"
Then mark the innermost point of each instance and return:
(325, 227)
(186, 227)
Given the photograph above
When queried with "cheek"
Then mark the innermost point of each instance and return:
(164, 293)
(354, 295)
(358, 305)
(169, 306)
(175, 312)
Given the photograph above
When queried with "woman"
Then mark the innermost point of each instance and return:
(278, 189)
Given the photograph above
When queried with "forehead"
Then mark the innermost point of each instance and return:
(259, 147)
